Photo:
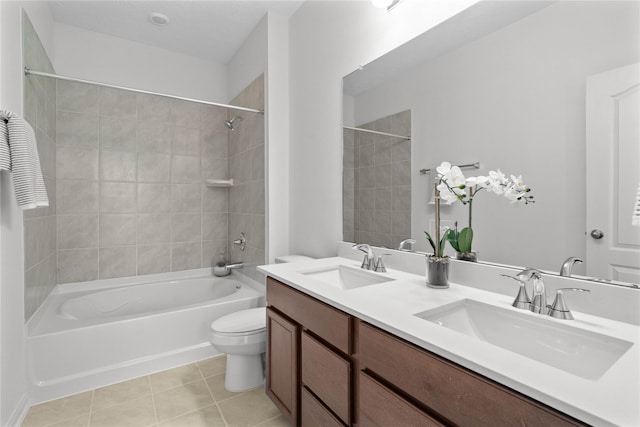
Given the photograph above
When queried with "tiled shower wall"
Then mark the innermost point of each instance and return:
(40, 223)
(131, 187)
(247, 168)
(377, 182)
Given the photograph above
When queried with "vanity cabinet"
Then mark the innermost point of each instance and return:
(309, 358)
(446, 393)
(327, 368)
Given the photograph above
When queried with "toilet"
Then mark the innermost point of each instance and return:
(243, 337)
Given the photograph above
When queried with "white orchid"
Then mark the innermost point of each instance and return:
(453, 186)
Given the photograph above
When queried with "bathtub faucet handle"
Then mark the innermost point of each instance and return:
(241, 241)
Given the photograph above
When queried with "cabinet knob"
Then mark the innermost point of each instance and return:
(597, 234)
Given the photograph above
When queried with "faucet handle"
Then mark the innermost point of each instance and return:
(522, 299)
(559, 308)
(379, 265)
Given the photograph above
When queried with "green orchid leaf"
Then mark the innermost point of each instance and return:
(452, 237)
(465, 239)
(431, 242)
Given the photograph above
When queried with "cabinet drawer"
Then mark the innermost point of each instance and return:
(379, 406)
(327, 375)
(314, 414)
(326, 322)
(456, 394)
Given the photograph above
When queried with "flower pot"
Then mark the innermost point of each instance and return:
(437, 272)
(467, 256)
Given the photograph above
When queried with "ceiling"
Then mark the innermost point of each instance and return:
(213, 29)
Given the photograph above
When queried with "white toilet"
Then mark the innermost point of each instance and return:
(243, 336)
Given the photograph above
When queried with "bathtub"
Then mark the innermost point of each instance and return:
(92, 334)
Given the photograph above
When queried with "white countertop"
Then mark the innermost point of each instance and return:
(612, 399)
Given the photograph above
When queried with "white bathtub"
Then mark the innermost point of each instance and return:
(92, 334)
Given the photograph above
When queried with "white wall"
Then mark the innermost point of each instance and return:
(330, 39)
(514, 100)
(278, 111)
(13, 371)
(249, 61)
(93, 56)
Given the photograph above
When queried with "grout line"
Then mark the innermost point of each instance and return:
(153, 400)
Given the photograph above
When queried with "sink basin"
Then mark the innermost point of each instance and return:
(344, 277)
(576, 351)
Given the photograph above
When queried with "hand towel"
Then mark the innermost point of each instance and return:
(19, 154)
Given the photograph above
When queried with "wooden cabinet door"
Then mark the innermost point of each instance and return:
(282, 383)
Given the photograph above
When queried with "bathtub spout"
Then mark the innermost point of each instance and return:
(222, 269)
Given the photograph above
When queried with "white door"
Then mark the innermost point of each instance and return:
(613, 174)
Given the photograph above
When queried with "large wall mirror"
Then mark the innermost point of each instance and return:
(530, 88)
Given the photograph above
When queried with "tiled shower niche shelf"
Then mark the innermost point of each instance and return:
(220, 182)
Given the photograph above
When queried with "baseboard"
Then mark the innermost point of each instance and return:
(20, 412)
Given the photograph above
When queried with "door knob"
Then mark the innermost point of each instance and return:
(597, 234)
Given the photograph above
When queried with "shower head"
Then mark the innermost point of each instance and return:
(229, 123)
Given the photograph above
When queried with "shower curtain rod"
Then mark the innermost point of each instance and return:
(28, 71)
(377, 133)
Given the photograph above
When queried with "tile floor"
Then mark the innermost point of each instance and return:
(187, 396)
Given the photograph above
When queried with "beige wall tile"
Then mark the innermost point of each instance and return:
(185, 141)
(185, 113)
(77, 231)
(116, 102)
(78, 97)
(77, 129)
(186, 198)
(154, 198)
(153, 137)
(214, 142)
(76, 163)
(75, 196)
(186, 256)
(118, 166)
(118, 262)
(117, 230)
(117, 133)
(185, 169)
(186, 227)
(153, 107)
(154, 258)
(77, 265)
(118, 197)
(154, 228)
(154, 167)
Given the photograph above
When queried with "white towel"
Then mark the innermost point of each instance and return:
(19, 154)
(635, 217)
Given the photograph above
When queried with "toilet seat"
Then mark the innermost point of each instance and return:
(245, 322)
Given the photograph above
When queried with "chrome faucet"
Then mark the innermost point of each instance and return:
(539, 295)
(567, 265)
(406, 242)
(368, 263)
(222, 269)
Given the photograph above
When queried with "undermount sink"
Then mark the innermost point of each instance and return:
(576, 351)
(344, 277)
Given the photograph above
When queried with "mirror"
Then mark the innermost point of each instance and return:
(502, 84)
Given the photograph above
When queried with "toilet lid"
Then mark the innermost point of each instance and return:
(249, 320)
